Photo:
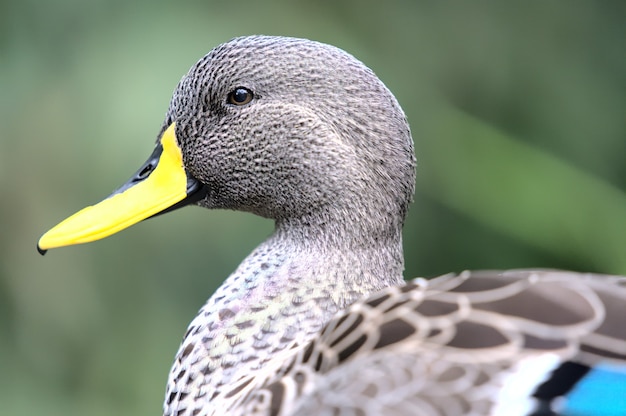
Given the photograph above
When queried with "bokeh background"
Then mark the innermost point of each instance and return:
(517, 110)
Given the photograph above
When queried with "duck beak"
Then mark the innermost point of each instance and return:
(159, 186)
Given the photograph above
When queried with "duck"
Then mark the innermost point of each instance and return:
(318, 319)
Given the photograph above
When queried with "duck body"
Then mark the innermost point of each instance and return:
(318, 318)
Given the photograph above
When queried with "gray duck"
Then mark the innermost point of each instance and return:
(318, 319)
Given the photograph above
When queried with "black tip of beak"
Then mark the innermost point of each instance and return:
(41, 251)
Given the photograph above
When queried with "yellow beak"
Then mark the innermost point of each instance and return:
(161, 183)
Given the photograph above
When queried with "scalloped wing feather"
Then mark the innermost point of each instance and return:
(452, 345)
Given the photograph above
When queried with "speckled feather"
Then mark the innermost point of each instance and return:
(325, 150)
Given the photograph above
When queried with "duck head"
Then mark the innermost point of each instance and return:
(288, 129)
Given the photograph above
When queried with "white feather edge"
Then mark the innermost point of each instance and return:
(520, 382)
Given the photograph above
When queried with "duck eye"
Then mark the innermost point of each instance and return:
(240, 96)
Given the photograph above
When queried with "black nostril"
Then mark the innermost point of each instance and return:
(144, 173)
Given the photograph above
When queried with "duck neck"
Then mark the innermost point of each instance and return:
(360, 257)
(340, 254)
(303, 263)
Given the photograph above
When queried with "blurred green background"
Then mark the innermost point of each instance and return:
(517, 110)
